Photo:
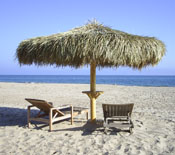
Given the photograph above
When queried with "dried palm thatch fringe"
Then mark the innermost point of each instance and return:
(91, 42)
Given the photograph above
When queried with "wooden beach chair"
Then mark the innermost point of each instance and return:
(118, 116)
(48, 114)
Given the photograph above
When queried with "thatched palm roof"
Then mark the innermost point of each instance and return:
(92, 42)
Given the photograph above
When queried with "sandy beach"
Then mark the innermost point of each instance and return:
(153, 117)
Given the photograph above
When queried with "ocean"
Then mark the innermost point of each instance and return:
(155, 81)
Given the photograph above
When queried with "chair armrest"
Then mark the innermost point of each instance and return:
(62, 107)
(30, 106)
(50, 103)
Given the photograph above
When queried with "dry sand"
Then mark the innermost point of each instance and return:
(153, 117)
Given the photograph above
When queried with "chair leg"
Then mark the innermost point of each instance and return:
(105, 125)
(87, 115)
(105, 130)
(130, 130)
(72, 111)
(28, 116)
(50, 120)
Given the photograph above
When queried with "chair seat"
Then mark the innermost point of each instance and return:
(118, 125)
(118, 116)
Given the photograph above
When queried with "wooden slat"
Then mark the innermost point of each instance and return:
(118, 125)
(113, 110)
(72, 115)
(44, 106)
(124, 110)
(62, 118)
(110, 111)
(40, 104)
(63, 107)
(50, 119)
(118, 110)
(40, 120)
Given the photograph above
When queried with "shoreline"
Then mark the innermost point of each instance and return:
(84, 84)
(146, 81)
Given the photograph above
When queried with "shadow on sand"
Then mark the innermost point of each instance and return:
(93, 129)
(10, 116)
(87, 129)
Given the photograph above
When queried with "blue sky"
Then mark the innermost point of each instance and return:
(23, 19)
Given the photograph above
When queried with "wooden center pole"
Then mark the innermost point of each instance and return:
(93, 92)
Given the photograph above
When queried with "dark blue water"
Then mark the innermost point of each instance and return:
(167, 81)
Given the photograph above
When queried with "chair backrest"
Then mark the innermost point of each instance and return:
(40, 104)
(110, 110)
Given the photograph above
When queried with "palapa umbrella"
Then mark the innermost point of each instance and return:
(93, 44)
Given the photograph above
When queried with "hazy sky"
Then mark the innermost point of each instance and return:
(23, 19)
